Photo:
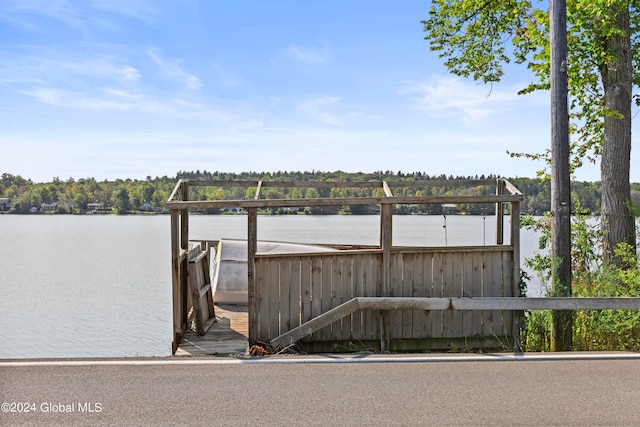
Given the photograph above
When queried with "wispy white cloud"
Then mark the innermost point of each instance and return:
(116, 100)
(46, 68)
(318, 108)
(309, 55)
(454, 97)
(60, 10)
(172, 69)
(143, 10)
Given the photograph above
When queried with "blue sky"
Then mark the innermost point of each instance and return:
(131, 88)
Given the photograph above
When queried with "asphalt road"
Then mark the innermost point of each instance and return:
(411, 391)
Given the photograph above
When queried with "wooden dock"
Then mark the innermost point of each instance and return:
(228, 336)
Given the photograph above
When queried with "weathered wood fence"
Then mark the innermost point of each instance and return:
(293, 289)
(285, 291)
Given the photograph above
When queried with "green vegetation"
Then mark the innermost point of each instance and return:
(149, 195)
(595, 330)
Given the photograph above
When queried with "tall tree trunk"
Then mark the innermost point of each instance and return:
(617, 220)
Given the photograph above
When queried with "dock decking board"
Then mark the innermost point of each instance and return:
(228, 336)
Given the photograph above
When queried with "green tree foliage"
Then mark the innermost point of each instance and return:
(74, 195)
(479, 38)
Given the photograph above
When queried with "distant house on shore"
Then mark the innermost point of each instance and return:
(5, 203)
(48, 207)
(96, 207)
(148, 207)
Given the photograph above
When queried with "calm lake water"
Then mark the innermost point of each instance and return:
(100, 285)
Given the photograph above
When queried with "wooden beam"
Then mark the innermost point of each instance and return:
(258, 188)
(464, 303)
(339, 201)
(315, 324)
(387, 190)
(499, 213)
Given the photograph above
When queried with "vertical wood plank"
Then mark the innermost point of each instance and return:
(359, 264)
(395, 290)
(457, 290)
(421, 288)
(448, 290)
(336, 294)
(499, 213)
(316, 292)
(347, 294)
(507, 291)
(408, 266)
(325, 333)
(272, 288)
(477, 276)
(294, 293)
(438, 288)
(371, 288)
(488, 326)
(260, 303)
(305, 289)
(467, 291)
(284, 295)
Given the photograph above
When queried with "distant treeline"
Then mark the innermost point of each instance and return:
(21, 195)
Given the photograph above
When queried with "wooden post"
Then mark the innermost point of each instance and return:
(561, 333)
(386, 218)
(515, 244)
(499, 213)
(184, 246)
(252, 248)
(386, 240)
(175, 281)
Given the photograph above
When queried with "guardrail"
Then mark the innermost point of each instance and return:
(444, 304)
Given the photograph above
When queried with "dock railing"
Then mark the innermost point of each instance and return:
(396, 296)
(383, 271)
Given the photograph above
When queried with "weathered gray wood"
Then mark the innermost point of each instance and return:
(294, 292)
(305, 289)
(252, 246)
(349, 275)
(458, 260)
(467, 291)
(407, 269)
(438, 288)
(316, 290)
(487, 291)
(178, 315)
(346, 295)
(359, 266)
(499, 214)
(419, 289)
(515, 259)
(283, 290)
(395, 290)
(475, 284)
(270, 287)
(338, 201)
(258, 188)
(547, 303)
(200, 289)
(443, 304)
(325, 334)
(322, 321)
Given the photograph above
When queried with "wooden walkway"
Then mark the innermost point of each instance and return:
(229, 335)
